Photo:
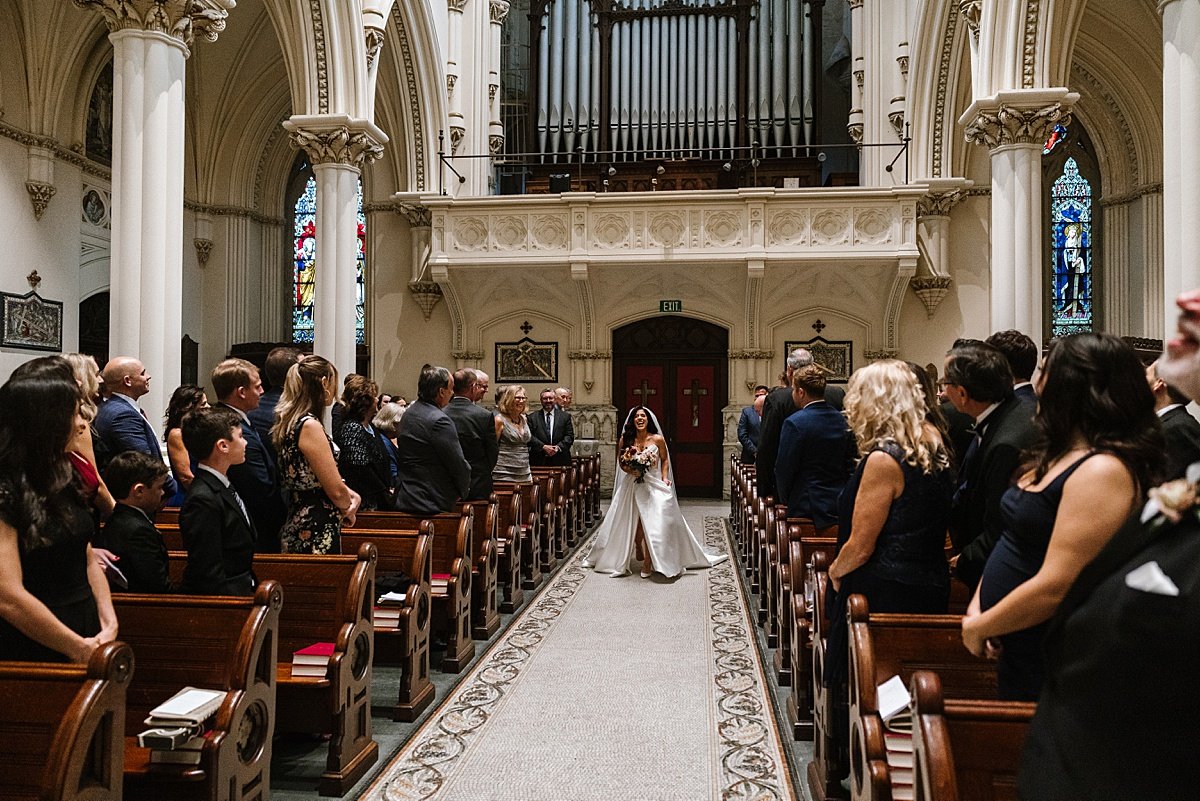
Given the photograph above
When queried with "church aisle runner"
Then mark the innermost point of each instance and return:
(608, 689)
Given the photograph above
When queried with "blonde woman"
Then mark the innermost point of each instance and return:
(895, 509)
(318, 499)
(82, 447)
(512, 429)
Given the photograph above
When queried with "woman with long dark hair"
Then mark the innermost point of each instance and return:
(1099, 449)
(54, 599)
(185, 399)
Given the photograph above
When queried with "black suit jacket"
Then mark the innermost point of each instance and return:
(142, 555)
(256, 482)
(1182, 433)
(477, 437)
(962, 431)
(124, 428)
(433, 472)
(218, 538)
(778, 407)
(749, 423)
(975, 525)
(563, 436)
(263, 418)
(1117, 716)
(816, 456)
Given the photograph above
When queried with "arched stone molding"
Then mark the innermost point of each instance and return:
(587, 313)
(72, 113)
(1023, 44)
(412, 81)
(454, 305)
(14, 78)
(940, 60)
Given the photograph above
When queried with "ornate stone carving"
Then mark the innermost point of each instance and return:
(414, 96)
(896, 118)
(971, 11)
(182, 19)
(752, 354)
(456, 5)
(203, 250)
(855, 4)
(902, 63)
(317, 14)
(831, 227)
(468, 355)
(881, 353)
(496, 144)
(931, 289)
(939, 204)
(666, 230)
(722, 229)
(39, 196)
(1010, 125)
(612, 231)
(492, 89)
(549, 233)
(498, 10)
(510, 233)
(374, 38)
(1033, 9)
(945, 55)
(451, 79)
(416, 215)
(787, 228)
(338, 145)
(457, 132)
(855, 126)
(426, 294)
(471, 234)
(585, 355)
(872, 227)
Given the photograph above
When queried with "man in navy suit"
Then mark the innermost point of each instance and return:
(551, 433)
(213, 520)
(748, 425)
(433, 473)
(816, 452)
(1021, 353)
(120, 422)
(279, 361)
(237, 385)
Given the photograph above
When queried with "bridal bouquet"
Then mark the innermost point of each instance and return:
(637, 461)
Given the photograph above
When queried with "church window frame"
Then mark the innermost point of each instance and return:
(1073, 274)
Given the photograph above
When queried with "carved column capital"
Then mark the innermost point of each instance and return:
(203, 250)
(939, 204)
(336, 142)
(39, 196)
(972, 12)
(498, 10)
(374, 39)
(456, 5)
(1007, 124)
(415, 214)
(181, 19)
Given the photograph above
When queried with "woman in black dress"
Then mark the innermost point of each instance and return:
(1098, 450)
(363, 461)
(54, 600)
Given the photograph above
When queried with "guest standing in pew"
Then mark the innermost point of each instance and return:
(749, 424)
(894, 510)
(1098, 448)
(121, 423)
(386, 423)
(1180, 430)
(82, 450)
(551, 433)
(279, 361)
(1021, 353)
(433, 472)
(513, 435)
(185, 399)
(476, 432)
(54, 599)
(816, 453)
(1117, 718)
(137, 481)
(363, 461)
(318, 499)
(238, 387)
(213, 521)
(979, 383)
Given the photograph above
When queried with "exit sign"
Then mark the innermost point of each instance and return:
(670, 305)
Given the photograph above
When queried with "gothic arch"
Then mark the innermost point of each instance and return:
(940, 62)
(695, 314)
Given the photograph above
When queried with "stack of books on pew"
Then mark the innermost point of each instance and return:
(439, 582)
(181, 725)
(312, 662)
(387, 610)
(894, 708)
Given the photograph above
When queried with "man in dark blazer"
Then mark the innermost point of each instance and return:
(979, 383)
(136, 482)
(279, 361)
(551, 433)
(237, 385)
(213, 520)
(779, 407)
(816, 453)
(1180, 430)
(1021, 353)
(433, 473)
(476, 432)
(120, 422)
(750, 423)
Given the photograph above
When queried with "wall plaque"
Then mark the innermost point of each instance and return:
(31, 322)
(526, 361)
(836, 358)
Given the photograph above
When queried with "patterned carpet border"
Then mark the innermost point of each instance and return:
(753, 762)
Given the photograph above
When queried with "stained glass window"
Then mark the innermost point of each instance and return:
(1071, 249)
(1056, 137)
(304, 258)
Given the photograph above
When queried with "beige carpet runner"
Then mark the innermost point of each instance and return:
(608, 689)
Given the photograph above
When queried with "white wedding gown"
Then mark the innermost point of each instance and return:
(672, 545)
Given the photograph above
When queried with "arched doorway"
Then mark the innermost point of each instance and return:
(679, 367)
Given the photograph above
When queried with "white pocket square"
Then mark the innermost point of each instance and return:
(1150, 578)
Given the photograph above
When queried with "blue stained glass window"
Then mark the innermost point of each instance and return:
(304, 259)
(1071, 246)
(1057, 135)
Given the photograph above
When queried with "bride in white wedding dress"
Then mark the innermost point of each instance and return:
(644, 518)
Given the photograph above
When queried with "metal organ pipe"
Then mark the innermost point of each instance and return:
(795, 56)
(583, 76)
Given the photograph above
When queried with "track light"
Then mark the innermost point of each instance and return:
(660, 169)
(727, 167)
(612, 170)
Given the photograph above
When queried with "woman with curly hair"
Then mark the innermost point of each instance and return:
(1099, 448)
(363, 461)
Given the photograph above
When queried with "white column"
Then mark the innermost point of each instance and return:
(1115, 286)
(1181, 172)
(1014, 126)
(1152, 267)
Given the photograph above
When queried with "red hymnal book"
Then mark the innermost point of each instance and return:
(315, 654)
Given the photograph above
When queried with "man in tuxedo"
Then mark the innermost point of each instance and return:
(816, 453)
(136, 482)
(1021, 353)
(551, 433)
(979, 383)
(749, 424)
(1118, 711)
(476, 432)
(216, 528)
(432, 471)
(279, 361)
(778, 407)
(120, 422)
(237, 385)
(1180, 430)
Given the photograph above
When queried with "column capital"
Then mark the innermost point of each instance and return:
(942, 196)
(972, 12)
(181, 19)
(1023, 117)
(337, 139)
(498, 9)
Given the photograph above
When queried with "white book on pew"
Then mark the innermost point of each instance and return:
(189, 706)
(892, 698)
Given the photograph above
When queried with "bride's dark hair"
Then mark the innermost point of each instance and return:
(629, 434)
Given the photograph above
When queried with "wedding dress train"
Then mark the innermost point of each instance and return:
(672, 546)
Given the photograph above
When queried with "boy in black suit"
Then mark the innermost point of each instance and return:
(216, 528)
(136, 481)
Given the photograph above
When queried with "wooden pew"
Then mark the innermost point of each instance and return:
(764, 531)
(803, 546)
(567, 504)
(556, 507)
(509, 547)
(886, 645)
(597, 469)
(829, 761)
(965, 750)
(585, 467)
(62, 727)
(533, 528)
(329, 599)
(213, 642)
(407, 643)
(792, 534)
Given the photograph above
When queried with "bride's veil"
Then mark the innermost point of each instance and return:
(622, 476)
